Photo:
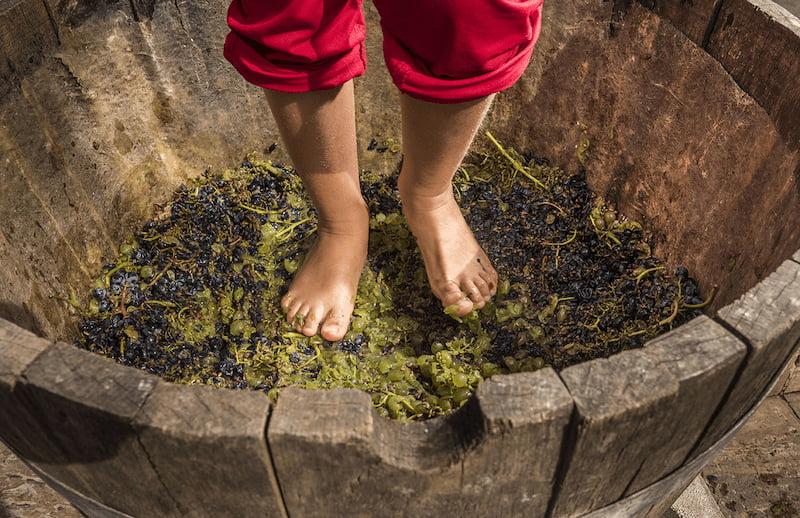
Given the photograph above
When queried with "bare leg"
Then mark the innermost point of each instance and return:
(435, 139)
(319, 131)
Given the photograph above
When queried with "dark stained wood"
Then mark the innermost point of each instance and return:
(26, 32)
(623, 406)
(18, 349)
(662, 95)
(768, 316)
(512, 470)
(704, 358)
(654, 500)
(758, 43)
(87, 506)
(85, 404)
(209, 449)
(691, 18)
(497, 456)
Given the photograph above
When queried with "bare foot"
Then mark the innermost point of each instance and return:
(459, 271)
(322, 294)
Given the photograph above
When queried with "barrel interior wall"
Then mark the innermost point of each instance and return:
(131, 99)
(673, 141)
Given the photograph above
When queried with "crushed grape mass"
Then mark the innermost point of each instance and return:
(194, 295)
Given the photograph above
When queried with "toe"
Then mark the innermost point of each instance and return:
(465, 307)
(300, 317)
(472, 291)
(483, 287)
(286, 303)
(449, 294)
(292, 310)
(456, 297)
(494, 276)
(490, 278)
(335, 327)
(311, 323)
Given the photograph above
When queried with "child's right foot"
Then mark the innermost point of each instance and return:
(321, 297)
(459, 272)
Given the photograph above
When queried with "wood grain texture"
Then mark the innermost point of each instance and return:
(654, 500)
(209, 449)
(89, 507)
(497, 456)
(704, 358)
(623, 409)
(758, 43)
(26, 33)
(84, 404)
(663, 96)
(18, 349)
(768, 316)
(691, 18)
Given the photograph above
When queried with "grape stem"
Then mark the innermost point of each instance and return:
(514, 163)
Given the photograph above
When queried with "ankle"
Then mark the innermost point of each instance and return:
(422, 199)
(351, 219)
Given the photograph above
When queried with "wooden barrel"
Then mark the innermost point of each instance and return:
(692, 116)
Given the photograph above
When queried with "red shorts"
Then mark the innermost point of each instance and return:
(445, 51)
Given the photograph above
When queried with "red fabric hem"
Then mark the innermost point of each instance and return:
(443, 91)
(293, 78)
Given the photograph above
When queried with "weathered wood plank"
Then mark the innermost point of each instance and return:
(652, 501)
(622, 406)
(512, 470)
(86, 403)
(18, 349)
(768, 316)
(704, 358)
(209, 449)
(691, 18)
(792, 373)
(497, 456)
(89, 507)
(758, 41)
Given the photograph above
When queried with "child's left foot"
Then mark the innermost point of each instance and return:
(458, 269)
